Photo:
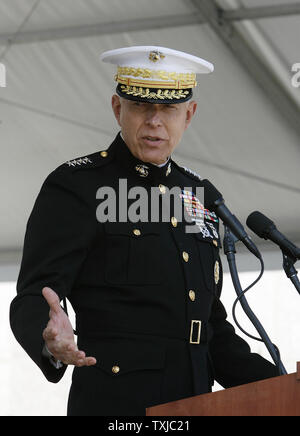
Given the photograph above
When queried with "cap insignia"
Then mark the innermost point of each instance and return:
(155, 56)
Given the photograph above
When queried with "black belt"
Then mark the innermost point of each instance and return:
(196, 332)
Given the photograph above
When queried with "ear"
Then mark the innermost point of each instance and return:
(190, 112)
(116, 107)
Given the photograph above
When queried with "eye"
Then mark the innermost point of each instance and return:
(170, 106)
(139, 104)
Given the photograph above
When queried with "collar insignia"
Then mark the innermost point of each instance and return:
(142, 170)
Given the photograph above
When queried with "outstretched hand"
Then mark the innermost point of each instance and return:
(59, 335)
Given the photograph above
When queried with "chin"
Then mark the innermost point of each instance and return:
(153, 158)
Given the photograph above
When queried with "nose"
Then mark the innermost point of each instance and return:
(153, 118)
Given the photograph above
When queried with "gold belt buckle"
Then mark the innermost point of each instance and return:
(195, 321)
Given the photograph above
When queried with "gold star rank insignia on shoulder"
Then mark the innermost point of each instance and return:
(80, 161)
(193, 173)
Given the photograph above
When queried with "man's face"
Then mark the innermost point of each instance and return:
(152, 131)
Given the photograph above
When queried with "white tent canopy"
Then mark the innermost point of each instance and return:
(55, 106)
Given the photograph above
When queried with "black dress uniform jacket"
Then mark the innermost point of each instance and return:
(145, 294)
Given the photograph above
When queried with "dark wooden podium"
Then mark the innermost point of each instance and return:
(278, 396)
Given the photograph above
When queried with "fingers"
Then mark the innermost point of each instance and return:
(78, 357)
(90, 361)
(66, 351)
(59, 337)
(82, 360)
(52, 299)
(50, 334)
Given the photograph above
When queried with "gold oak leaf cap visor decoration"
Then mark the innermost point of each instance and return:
(156, 74)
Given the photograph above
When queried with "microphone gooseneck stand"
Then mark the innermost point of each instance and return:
(229, 250)
(290, 270)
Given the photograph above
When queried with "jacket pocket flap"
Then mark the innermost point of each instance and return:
(209, 234)
(119, 356)
(131, 229)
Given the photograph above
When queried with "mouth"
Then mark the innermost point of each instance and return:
(153, 140)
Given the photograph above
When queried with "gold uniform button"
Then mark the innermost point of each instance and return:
(192, 295)
(104, 153)
(115, 369)
(174, 221)
(185, 256)
(162, 189)
(137, 232)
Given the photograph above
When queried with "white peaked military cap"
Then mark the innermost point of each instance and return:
(156, 74)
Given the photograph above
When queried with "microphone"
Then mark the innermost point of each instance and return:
(266, 229)
(214, 201)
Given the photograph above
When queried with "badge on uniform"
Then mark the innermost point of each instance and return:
(143, 170)
(193, 207)
(168, 169)
(198, 214)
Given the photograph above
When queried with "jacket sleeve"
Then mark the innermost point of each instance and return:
(55, 246)
(232, 360)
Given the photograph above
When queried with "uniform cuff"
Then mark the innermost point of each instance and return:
(54, 362)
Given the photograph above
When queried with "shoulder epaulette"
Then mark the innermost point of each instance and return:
(190, 173)
(95, 159)
(79, 161)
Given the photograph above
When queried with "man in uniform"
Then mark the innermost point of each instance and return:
(146, 293)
